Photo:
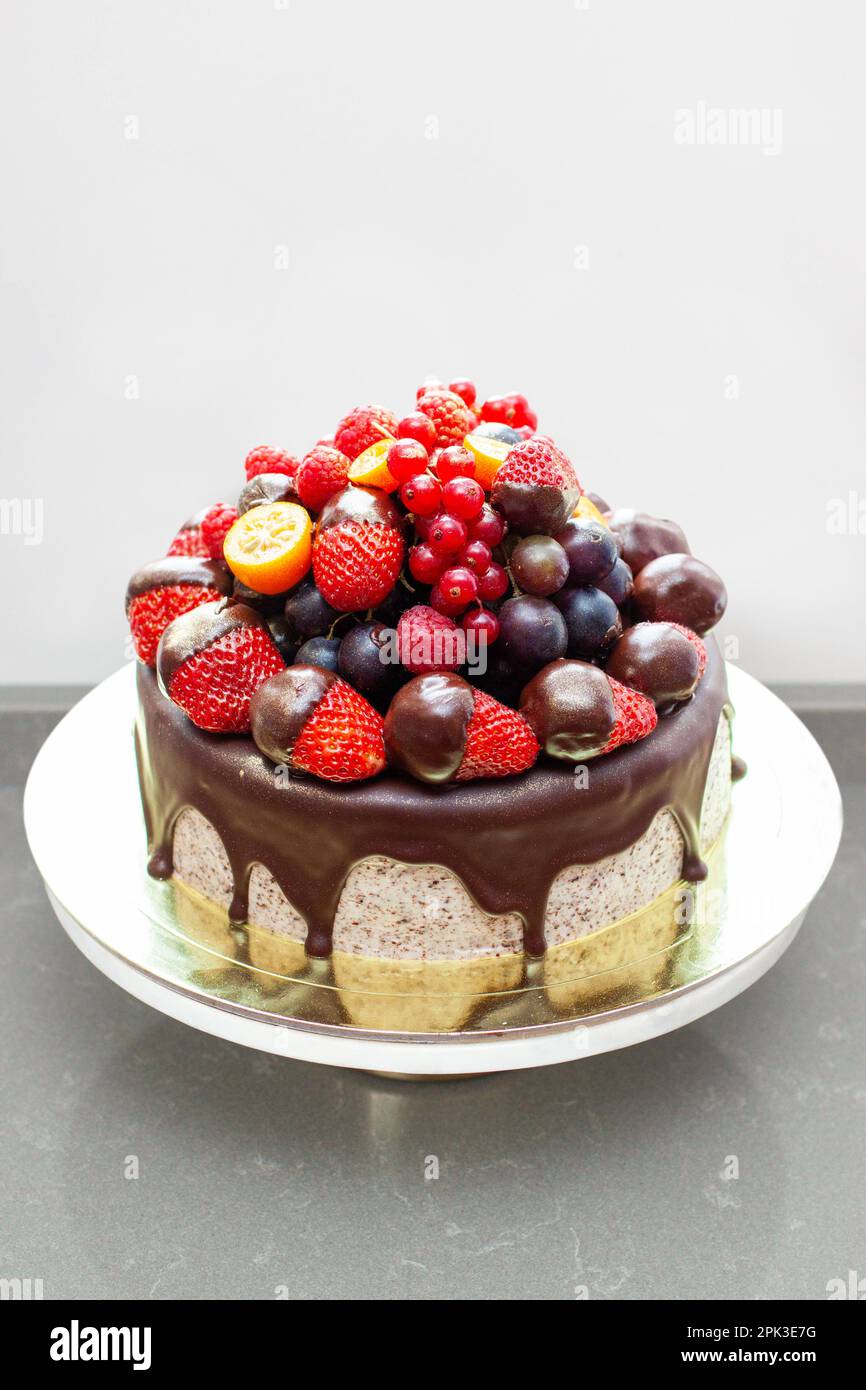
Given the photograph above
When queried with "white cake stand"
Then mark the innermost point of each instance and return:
(84, 825)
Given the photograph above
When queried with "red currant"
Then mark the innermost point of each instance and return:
(476, 557)
(483, 623)
(488, 526)
(442, 604)
(406, 458)
(455, 462)
(417, 426)
(422, 494)
(465, 390)
(463, 497)
(425, 565)
(492, 583)
(446, 534)
(458, 586)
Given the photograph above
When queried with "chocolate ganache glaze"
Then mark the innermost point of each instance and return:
(309, 834)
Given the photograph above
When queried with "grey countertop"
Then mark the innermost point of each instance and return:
(602, 1178)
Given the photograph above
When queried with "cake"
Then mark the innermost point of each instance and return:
(418, 697)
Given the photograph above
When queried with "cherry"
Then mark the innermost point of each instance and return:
(422, 494)
(446, 534)
(465, 390)
(476, 556)
(488, 526)
(406, 458)
(463, 497)
(425, 565)
(417, 426)
(482, 622)
(458, 586)
(492, 583)
(455, 462)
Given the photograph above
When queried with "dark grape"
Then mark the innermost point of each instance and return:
(540, 565)
(618, 584)
(532, 631)
(590, 547)
(319, 651)
(285, 642)
(361, 659)
(591, 618)
(307, 613)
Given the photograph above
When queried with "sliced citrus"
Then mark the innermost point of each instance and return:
(489, 455)
(370, 469)
(269, 548)
(589, 510)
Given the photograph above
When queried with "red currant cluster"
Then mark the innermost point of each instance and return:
(457, 529)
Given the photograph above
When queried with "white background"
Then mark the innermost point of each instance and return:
(307, 125)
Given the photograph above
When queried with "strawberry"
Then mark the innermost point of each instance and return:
(513, 410)
(499, 742)
(189, 540)
(635, 716)
(161, 591)
(428, 641)
(440, 729)
(267, 460)
(536, 488)
(449, 414)
(322, 472)
(359, 548)
(215, 526)
(211, 662)
(363, 426)
(312, 720)
(696, 643)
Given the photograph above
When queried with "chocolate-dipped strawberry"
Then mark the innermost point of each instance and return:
(440, 729)
(577, 712)
(211, 660)
(643, 538)
(359, 548)
(161, 591)
(536, 489)
(266, 487)
(309, 719)
(680, 589)
(664, 661)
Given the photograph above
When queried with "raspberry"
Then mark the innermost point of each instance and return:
(215, 526)
(323, 472)
(189, 541)
(214, 687)
(635, 716)
(267, 460)
(499, 742)
(357, 564)
(363, 426)
(428, 641)
(449, 414)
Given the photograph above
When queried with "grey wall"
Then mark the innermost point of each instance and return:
(494, 188)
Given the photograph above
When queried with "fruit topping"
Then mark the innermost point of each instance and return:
(267, 460)
(618, 584)
(363, 426)
(536, 488)
(570, 708)
(592, 619)
(215, 526)
(428, 641)
(635, 716)
(372, 468)
(264, 488)
(451, 419)
(589, 509)
(643, 537)
(189, 540)
(488, 526)
(662, 660)
(439, 729)
(591, 549)
(366, 659)
(406, 458)
(307, 613)
(212, 660)
(319, 651)
(679, 589)
(533, 632)
(162, 590)
(513, 410)
(539, 565)
(419, 427)
(359, 549)
(489, 452)
(323, 472)
(269, 547)
(455, 462)
(493, 583)
(466, 390)
(422, 494)
(310, 719)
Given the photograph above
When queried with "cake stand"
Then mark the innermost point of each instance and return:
(84, 825)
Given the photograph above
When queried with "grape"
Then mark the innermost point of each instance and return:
(591, 618)
(540, 565)
(590, 547)
(532, 631)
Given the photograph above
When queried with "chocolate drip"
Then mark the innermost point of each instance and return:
(506, 840)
